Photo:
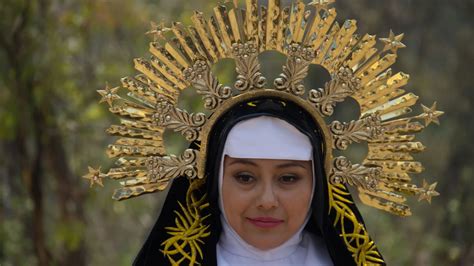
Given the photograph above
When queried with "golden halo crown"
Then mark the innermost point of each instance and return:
(306, 34)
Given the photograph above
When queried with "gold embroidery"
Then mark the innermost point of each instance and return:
(189, 230)
(357, 241)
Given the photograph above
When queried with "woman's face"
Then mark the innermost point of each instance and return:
(266, 201)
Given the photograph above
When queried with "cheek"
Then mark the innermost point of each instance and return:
(234, 200)
(296, 203)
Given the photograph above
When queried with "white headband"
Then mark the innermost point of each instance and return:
(266, 137)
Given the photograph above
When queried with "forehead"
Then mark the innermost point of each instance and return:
(229, 161)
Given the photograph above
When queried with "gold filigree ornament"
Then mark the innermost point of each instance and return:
(306, 35)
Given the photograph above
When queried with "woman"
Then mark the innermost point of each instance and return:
(265, 164)
(259, 183)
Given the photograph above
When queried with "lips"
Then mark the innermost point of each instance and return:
(265, 222)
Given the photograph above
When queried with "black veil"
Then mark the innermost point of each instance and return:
(321, 222)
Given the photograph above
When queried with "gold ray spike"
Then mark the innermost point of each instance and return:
(323, 27)
(405, 188)
(312, 26)
(128, 192)
(164, 56)
(130, 112)
(395, 177)
(396, 166)
(338, 60)
(402, 128)
(198, 44)
(326, 45)
(251, 21)
(142, 101)
(174, 49)
(134, 132)
(382, 204)
(363, 49)
(201, 27)
(137, 142)
(167, 74)
(134, 181)
(273, 14)
(142, 125)
(125, 150)
(367, 92)
(220, 13)
(383, 193)
(216, 37)
(391, 138)
(296, 21)
(401, 102)
(131, 162)
(283, 26)
(368, 73)
(151, 72)
(389, 89)
(396, 113)
(121, 172)
(397, 147)
(375, 154)
(342, 38)
(235, 20)
(185, 41)
(139, 88)
(262, 28)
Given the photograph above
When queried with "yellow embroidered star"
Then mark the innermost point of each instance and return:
(94, 176)
(393, 42)
(428, 191)
(431, 114)
(108, 94)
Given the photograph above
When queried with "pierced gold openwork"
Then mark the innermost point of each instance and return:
(306, 34)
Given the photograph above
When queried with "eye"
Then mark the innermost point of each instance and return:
(244, 178)
(289, 179)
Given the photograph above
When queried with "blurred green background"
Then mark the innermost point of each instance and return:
(55, 54)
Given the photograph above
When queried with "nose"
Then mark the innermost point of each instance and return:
(268, 198)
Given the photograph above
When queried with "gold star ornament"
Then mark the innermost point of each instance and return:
(431, 114)
(393, 42)
(428, 191)
(108, 94)
(94, 176)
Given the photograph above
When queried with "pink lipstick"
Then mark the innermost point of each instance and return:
(265, 222)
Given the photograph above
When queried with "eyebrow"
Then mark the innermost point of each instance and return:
(242, 161)
(292, 164)
(282, 165)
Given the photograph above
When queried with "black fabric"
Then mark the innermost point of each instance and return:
(320, 222)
